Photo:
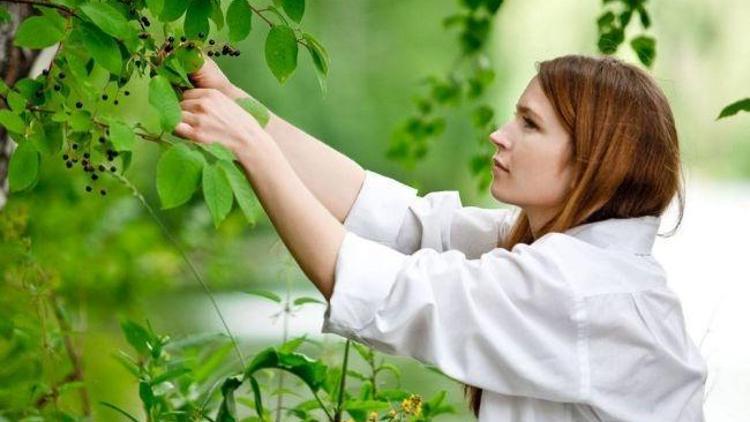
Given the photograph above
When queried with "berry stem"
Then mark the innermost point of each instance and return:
(172, 239)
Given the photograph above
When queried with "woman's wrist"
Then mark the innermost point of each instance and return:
(234, 92)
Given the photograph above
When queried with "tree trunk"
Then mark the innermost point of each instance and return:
(15, 64)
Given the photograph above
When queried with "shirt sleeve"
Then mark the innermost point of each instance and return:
(393, 214)
(505, 322)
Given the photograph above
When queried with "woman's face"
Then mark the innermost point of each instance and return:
(536, 150)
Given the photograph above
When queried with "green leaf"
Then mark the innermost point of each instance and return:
(217, 193)
(196, 18)
(173, 10)
(23, 168)
(281, 52)
(137, 336)
(80, 121)
(256, 109)
(46, 136)
(191, 60)
(732, 109)
(162, 97)
(147, 395)
(155, 6)
(219, 151)
(265, 294)
(103, 48)
(39, 32)
(12, 121)
(216, 15)
(108, 19)
(239, 20)
(122, 136)
(320, 59)
(214, 360)
(293, 344)
(119, 410)
(311, 372)
(242, 192)
(258, 399)
(645, 47)
(16, 101)
(170, 374)
(304, 300)
(178, 173)
(295, 9)
(228, 409)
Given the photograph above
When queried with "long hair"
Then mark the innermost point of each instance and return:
(626, 156)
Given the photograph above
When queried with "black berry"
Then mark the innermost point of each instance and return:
(103, 192)
(211, 42)
(57, 87)
(102, 168)
(74, 146)
(183, 38)
(126, 93)
(69, 164)
(102, 140)
(86, 155)
(45, 72)
(116, 102)
(105, 97)
(113, 169)
(94, 176)
(201, 35)
(79, 104)
(170, 39)
(61, 75)
(89, 188)
(65, 157)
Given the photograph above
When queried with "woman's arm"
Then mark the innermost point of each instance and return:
(331, 176)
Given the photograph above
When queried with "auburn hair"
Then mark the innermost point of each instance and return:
(626, 155)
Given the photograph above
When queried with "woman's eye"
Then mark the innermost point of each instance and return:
(529, 123)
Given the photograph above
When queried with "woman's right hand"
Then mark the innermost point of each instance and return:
(210, 76)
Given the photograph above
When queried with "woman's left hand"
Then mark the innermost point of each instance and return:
(210, 116)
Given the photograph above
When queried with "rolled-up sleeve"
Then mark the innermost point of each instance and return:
(393, 214)
(506, 322)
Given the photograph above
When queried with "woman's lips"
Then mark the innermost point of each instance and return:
(500, 165)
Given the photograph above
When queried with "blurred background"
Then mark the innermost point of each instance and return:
(112, 260)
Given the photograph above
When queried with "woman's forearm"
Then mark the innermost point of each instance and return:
(332, 177)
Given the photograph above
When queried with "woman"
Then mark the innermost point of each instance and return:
(557, 314)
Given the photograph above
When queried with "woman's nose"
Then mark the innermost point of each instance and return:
(499, 139)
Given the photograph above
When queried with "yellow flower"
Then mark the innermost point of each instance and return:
(412, 405)
(373, 417)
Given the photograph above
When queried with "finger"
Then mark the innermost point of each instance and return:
(189, 118)
(184, 130)
(195, 93)
(193, 106)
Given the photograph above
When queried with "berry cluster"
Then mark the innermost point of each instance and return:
(74, 156)
(226, 50)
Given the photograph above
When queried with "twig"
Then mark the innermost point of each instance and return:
(59, 7)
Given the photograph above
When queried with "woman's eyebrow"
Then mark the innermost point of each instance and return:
(521, 108)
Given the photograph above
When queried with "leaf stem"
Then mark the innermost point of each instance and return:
(340, 400)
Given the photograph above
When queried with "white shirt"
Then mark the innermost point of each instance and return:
(577, 326)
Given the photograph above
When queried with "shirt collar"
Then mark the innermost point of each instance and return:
(635, 234)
